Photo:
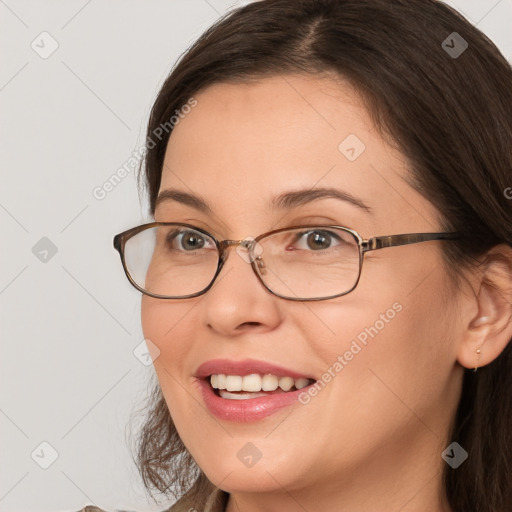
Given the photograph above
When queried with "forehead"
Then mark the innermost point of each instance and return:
(243, 144)
(286, 117)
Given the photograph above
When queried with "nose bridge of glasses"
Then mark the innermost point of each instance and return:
(249, 252)
(246, 243)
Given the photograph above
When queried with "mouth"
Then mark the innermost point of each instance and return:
(229, 401)
(247, 387)
(250, 390)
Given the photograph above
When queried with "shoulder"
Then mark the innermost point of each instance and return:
(93, 508)
(216, 501)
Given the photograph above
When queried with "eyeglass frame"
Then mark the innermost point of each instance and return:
(364, 244)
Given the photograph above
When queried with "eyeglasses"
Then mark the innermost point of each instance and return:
(168, 260)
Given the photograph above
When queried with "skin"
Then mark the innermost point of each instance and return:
(372, 438)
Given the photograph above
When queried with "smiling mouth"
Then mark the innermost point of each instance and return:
(237, 387)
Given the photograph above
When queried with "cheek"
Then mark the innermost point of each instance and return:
(386, 345)
(165, 325)
(172, 328)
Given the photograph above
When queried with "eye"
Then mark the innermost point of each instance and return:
(188, 240)
(317, 240)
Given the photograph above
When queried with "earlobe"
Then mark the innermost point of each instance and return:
(489, 331)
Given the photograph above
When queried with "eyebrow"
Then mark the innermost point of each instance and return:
(301, 197)
(185, 198)
(287, 200)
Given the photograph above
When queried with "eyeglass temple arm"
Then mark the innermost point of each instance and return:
(380, 242)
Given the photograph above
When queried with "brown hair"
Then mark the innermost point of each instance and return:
(450, 115)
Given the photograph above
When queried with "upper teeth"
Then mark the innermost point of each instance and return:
(255, 382)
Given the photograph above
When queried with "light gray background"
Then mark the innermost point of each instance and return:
(70, 324)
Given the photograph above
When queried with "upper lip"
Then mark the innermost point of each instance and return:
(245, 367)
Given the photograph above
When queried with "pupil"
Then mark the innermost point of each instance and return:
(319, 241)
(193, 242)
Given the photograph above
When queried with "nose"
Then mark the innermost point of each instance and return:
(238, 302)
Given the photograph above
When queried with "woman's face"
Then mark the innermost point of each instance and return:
(384, 354)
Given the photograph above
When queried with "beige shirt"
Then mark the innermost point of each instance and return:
(216, 502)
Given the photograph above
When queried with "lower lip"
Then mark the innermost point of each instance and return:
(251, 409)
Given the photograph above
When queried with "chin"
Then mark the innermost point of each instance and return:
(271, 475)
(249, 480)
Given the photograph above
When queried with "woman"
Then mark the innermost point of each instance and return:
(307, 358)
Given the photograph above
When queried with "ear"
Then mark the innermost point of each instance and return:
(490, 328)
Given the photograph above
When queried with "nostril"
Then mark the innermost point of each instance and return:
(251, 323)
